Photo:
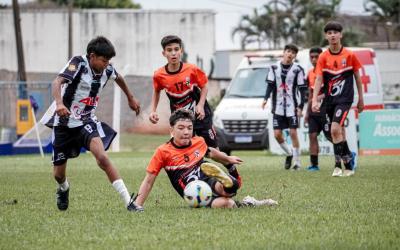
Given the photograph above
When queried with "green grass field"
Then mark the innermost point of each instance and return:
(316, 211)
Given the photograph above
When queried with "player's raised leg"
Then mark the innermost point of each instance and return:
(97, 149)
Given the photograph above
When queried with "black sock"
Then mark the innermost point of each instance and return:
(314, 160)
(346, 155)
(346, 149)
(338, 151)
(236, 185)
(232, 170)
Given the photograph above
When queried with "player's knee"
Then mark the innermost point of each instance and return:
(336, 132)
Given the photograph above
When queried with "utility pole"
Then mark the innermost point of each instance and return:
(70, 28)
(20, 51)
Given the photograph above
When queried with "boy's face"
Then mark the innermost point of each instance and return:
(98, 63)
(182, 132)
(288, 56)
(333, 37)
(314, 58)
(173, 53)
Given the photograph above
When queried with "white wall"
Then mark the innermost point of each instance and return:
(136, 35)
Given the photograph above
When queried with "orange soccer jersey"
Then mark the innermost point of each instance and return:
(182, 164)
(311, 78)
(183, 87)
(337, 71)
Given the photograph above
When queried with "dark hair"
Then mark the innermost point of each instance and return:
(292, 47)
(333, 25)
(101, 46)
(181, 114)
(166, 40)
(316, 50)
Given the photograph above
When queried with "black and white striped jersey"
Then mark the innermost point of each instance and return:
(284, 81)
(80, 94)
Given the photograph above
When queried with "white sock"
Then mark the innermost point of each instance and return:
(64, 186)
(120, 187)
(285, 148)
(296, 156)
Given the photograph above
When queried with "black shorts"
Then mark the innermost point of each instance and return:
(68, 142)
(283, 122)
(208, 133)
(338, 112)
(318, 123)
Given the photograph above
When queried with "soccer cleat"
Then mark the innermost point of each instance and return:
(288, 161)
(348, 172)
(132, 207)
(353, 161)
(253, 202)
(62, 199)
(212, 170)
(337, 172)
(313, 168)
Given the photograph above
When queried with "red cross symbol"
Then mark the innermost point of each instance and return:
(365, 79)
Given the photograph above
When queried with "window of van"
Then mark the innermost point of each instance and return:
(248, 83)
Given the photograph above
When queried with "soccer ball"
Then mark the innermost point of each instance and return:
(197, 194)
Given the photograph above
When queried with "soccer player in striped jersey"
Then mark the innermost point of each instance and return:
(285, 80)
(76, 91)
(335, 70)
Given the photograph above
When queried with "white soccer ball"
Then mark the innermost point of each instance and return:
(197, 194)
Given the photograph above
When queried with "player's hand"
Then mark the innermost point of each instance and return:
(234, 160)
(134, 105)
(299, 112)
(315, 106)
(263, 104)
(153, 117)
(360, 105)
(61, 110)
(200, 112)
(320, 97)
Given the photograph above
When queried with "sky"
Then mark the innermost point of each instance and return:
(228, 13)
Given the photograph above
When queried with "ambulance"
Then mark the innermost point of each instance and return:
(239, 120)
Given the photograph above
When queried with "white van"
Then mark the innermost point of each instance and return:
(240, 122)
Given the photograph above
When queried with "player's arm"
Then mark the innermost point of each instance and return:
(267, 94)
(200, 106)
(303, 91)
(154, 103)
(317, 87)
(270, 86)
(223, 158)
(145, 188)
(360, 104)
(309, 103)
(132, 101)
(61, 110)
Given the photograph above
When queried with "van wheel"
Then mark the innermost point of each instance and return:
(226, 151)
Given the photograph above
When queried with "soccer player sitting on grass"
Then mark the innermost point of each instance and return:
(183, 159)
(335, 70)
(76, 92)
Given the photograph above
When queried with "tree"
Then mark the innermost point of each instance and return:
(89, 4)
(388, 14)
(283, 21)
